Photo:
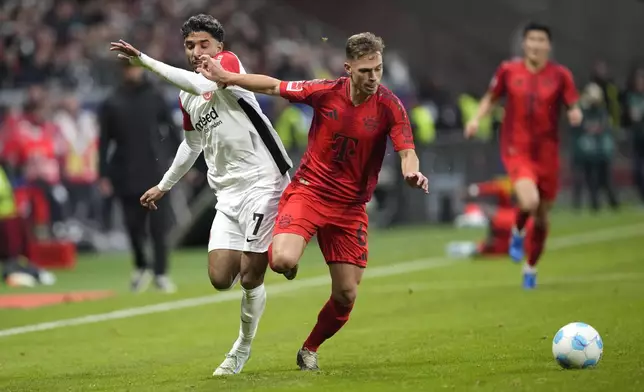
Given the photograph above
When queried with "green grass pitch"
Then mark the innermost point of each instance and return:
(421, 323)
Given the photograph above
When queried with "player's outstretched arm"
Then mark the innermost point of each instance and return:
(187, 81)
(570, 97)
(485, 107)
(261, 84)
(187, 154)
(411, 170)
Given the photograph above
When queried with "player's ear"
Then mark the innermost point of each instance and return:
(347, 68)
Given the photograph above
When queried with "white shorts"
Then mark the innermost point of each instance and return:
(251, 230)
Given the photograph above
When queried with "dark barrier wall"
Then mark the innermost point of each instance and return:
(460, 42)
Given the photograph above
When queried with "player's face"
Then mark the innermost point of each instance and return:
(200, 43)
(366, 72)
(536, 46)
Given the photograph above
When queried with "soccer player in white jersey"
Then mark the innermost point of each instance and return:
(247, 168)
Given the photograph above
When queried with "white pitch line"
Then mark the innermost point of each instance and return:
(468, 285)
(280, 288)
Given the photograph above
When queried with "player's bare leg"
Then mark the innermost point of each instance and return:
(285, 253)
(345, 279)
(528, 199)
(536, 242)
(224, 266)
(253, 268)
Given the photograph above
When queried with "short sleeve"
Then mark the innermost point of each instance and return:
(229, 61)
(400, 131)
(187, 122)
(569, 91)
(303, 91)
(498, 84)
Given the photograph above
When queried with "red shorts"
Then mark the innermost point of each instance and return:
(544, 174)
(341, 229)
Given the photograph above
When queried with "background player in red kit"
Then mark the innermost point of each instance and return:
(501, 218)
(535, 89)
(353, 118)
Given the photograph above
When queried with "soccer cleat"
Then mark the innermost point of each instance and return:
(307, 360)
(140, 280)
(516, 246)
(292, 273)
(165, 284)
(529, 280)
(233, 364)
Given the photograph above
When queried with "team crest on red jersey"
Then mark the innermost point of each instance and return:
(285, 221)
(370, 123)
(207, 95)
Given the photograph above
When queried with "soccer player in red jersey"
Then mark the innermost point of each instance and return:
(535, 89)
(501, 218)
(354, 117)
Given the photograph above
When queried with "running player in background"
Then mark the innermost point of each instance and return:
(535, 89)
(247, 168)
(500, 219)
(354, 117)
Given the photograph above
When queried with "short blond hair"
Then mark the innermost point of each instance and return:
(362, 44)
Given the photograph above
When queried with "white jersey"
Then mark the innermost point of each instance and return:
(240, 146)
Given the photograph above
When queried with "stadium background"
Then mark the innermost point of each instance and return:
(439, 67)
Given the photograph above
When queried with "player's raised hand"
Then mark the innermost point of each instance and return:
(151, 196)
(471, 128)
(417, 180)
(575, 116)
(125, 51)
(211, 69)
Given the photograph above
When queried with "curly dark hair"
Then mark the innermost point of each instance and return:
(203, 22)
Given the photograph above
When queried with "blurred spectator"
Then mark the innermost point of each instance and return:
(32, 152)
(634, 108)
(593, 147)
(63, 42)
(136, 121)
(79, 138)
(15, 239)
(602, 77)
(292, 126)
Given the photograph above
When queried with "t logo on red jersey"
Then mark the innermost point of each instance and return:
(294, 86)
(343, 146)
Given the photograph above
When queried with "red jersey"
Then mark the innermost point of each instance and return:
(347, 143)
(33, 147)
(533, 105)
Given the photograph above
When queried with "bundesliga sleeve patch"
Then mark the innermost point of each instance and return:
(294, 86)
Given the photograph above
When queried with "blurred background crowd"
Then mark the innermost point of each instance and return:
(57, 79)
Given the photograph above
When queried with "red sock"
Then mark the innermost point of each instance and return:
(537, 242)
(522, 218)
(331, 318)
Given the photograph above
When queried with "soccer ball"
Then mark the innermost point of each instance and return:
(577, 346)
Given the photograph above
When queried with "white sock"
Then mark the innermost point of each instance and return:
(521, 233)
(252, 307)
(528, 269)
